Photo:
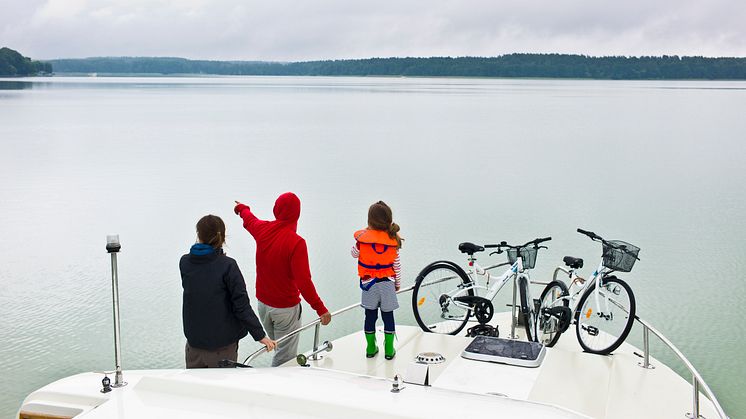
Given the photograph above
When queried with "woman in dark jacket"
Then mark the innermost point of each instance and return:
(216, 310)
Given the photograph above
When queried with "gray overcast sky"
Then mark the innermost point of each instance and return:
(320, 29)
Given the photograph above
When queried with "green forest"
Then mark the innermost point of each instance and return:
(511, 65)
(12, 63)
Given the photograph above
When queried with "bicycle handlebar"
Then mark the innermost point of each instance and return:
(590, 234)
(503, 244)
(594, 236)
(536, 242)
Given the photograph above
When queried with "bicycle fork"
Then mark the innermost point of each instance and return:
(606, 313)
(602, 312)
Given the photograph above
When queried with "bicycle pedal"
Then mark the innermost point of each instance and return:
(593, 331)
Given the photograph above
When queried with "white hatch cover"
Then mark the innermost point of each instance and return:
(505, 351)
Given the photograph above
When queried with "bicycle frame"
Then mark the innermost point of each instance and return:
(465, 293)
(475, 270)
(574, 297)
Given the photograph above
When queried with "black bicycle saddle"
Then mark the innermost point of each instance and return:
(575, 263)
(470, 248)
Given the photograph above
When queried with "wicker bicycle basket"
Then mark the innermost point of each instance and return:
(528, 254)
(620, 256)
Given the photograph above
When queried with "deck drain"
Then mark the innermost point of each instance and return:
(430, 358)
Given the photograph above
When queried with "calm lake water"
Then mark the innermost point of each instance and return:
(661, 165)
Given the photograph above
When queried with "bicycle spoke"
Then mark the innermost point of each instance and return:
(602, 329)
(548, 322)
(433, 299)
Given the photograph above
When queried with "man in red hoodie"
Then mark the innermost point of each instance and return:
(282, 273)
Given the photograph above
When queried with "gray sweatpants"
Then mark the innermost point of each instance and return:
(278, 322)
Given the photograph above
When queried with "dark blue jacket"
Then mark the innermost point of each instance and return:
(216, 310)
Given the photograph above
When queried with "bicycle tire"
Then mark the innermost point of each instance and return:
(607, 337)
(548, 330)
(528, 309)
(431, 318)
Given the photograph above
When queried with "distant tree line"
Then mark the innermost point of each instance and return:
(12, 63)
(511, 65)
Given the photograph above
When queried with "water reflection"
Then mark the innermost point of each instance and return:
(66, 143)
(15, 85)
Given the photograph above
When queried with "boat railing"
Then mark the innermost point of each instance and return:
(315, 323)
(698, 383)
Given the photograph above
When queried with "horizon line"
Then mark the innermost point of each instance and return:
(386, 58)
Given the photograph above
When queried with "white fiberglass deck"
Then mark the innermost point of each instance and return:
(344, 383)
(294, 392)
(609, 387)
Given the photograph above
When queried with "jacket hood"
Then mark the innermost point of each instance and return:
(287, 208)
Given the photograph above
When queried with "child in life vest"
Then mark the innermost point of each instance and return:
(377, 251)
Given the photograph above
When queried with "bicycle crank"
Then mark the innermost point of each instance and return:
(561, 313)
(481, 307)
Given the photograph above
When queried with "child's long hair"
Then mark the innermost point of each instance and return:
(380, 218)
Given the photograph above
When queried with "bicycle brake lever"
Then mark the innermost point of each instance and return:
(497, 252)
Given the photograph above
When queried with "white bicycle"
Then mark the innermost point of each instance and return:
(445, 296)
(603, 308)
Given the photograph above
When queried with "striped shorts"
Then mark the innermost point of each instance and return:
(381, 295)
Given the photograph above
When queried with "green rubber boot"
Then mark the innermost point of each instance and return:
(389, 345)
(372, 348)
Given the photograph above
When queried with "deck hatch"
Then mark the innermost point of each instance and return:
(505, 351)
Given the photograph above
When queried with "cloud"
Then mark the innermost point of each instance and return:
(291, 30)
(54, 10)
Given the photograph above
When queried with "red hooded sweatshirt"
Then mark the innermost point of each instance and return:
(282, 272)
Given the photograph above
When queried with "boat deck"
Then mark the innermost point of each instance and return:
(610, 387)
(568, 384)
(293, 392)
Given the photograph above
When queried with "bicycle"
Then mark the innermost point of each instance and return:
(603, 308)
(445, 295)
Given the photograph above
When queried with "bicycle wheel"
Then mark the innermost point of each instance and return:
(432, 298)
(549, 328)
(601, 329)
(528, 309)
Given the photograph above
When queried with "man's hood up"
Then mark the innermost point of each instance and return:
(287, 208)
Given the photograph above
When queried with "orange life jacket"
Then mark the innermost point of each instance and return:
(378, 252)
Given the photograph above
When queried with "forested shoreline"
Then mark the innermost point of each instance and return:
(511, 65)
(12, 63)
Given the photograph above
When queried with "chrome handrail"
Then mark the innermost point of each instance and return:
(317, 323)
(558, 270)
(697, 379)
